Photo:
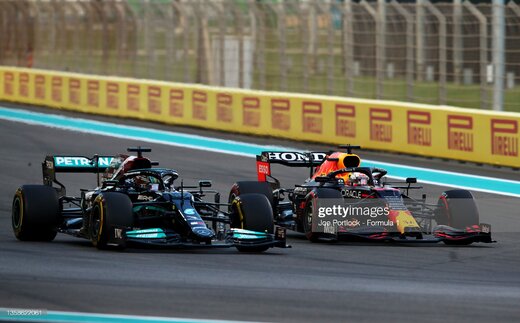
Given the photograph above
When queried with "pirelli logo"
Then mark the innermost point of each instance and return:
(39, 87)
(74, 91)
(251, 111)
(23, 85)
(280, 114)
(8, 83)
(133, 97)
(112, 95)
(154, 99)
(460, 133)
(419, 128)
(380, 124)
(224, 107)
(56, 89)
(93, 93)
(200, 105)
(176, 103)
(504, 137)
(312, 117)
(345, 120)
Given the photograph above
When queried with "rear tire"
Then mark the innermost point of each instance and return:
(110, 211)
(457, 209)
(252, 212)
(35, 213)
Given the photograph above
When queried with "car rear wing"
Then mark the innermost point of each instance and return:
(72, 164)
(287, 158)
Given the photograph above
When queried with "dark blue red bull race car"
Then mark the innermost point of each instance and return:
(343, 201)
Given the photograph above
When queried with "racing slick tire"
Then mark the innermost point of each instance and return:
(457, 209)
(309, 212)
(251, 187)
(35, 213)
(252, 212)
(111, 211)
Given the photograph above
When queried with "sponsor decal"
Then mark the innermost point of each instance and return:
(39, 87)
(312, 117)
(176, 103)
(74, 91)
(112, 95)
(189, 211)
(8, 83)
(419, 128)
(200, 105)
(262, 170)
(80, 162)
(93, 93)
(251, 111)
(133, 92)
(154, 99)
(460, 133)
(295, 156)
(224, 107)
(23, 85)
(280, 114)
(118, 233)
(380, 124)
(504, 137)
(345, 120)
(56, 88)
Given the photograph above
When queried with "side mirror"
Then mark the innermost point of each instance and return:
(205, 183)
(411, 180)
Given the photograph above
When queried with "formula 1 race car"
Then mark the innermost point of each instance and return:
(343, 201)
(138, 203)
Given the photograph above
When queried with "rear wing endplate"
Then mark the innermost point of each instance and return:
(287, 158)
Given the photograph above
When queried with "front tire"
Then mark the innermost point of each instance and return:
(35, 213)
(111, 212)
(252, 212)
(457, 209)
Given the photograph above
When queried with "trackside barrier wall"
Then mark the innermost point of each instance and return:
(437, 131)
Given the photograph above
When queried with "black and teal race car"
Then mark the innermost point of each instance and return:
(137, 203)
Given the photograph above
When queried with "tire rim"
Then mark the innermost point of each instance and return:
(95, 223)
(17, 213)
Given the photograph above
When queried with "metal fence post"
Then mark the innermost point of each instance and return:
(442, 50)
(457, 41)
(348, 46)
(498, 54)
(409, 48)
(419, 21)
(483, 60)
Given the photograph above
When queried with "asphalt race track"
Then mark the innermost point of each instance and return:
(312, 282)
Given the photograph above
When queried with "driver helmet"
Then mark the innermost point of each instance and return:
(144, 182)
(357, 179)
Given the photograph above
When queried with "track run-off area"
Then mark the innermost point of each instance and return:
(311, 282)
